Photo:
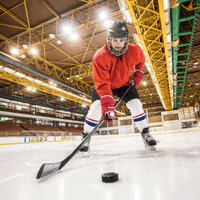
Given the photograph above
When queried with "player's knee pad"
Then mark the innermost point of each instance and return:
(135, 106)
(95, 110)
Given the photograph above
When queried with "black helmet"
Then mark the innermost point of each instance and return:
(117, 29)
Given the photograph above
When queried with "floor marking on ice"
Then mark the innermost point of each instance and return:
(16, 176)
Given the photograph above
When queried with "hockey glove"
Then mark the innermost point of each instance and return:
(137, 77)
(107, 108)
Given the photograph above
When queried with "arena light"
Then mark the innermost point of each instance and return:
(1, 67)
(145, 83)
(23, 56)
(59, 41)
(103, 15)
(9, 70)
(15, 51)
(74, 36)
(25, 46)
(20, 74)
(33, 51)
(107, 23)
(38, 81)
(62, 98)
(67, 29)
(29, 78)
(28, 88)
(51, 35)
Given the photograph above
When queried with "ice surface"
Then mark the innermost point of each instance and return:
(172, 172)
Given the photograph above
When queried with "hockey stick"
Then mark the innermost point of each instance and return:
(50, 168)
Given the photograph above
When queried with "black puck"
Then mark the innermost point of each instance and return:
(110, 177)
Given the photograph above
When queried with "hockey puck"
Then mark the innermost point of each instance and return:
(110, 177)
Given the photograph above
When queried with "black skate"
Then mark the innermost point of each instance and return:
(85, 149)
(149, 141)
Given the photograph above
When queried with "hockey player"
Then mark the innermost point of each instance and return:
(112, 65)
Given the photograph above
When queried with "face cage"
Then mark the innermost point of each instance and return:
(113, 51)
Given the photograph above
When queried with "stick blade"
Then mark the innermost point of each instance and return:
(47, 169)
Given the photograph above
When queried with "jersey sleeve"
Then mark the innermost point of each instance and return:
(101, 76)
(141, 59)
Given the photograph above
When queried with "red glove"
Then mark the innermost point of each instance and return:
(107, 107)
(137, 77)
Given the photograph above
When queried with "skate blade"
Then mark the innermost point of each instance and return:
(86, 154)
(152, 148)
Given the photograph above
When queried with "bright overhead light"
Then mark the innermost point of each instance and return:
(33, 90)
(144, 83)
(33, 51)
(51, 86)
(14, 51)
(166, 4)
(25, 46)
(74, 36)
(59, 42)
(107, 23)
(38, 81)
(20, 74)
(1, 67)
(196, 63)
(67, 29)
(83, 105)
(169, 38)
(103, 15)
(62, 98)
(29, 78)
(51, 82)
(28, 88)
(196, 84)
(51, 35)
(23, 56)
(9, 70)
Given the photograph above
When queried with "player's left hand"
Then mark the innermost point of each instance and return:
(137, 77)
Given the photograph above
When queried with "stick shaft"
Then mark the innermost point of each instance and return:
(92, 132)
(49, 168)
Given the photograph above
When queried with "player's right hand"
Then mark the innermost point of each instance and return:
(107, 108)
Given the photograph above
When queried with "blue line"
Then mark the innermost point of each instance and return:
(140, 118)
(90, 123)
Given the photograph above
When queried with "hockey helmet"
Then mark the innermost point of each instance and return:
(117, 29)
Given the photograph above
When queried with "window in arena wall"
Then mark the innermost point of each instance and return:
(171, 117)
(125, 122)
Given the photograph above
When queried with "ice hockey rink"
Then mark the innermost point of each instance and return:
(171, 172)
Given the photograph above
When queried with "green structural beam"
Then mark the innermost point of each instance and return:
(179, 67)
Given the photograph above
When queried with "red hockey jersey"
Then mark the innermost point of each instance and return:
(111, 72)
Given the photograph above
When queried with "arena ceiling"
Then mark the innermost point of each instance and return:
(52, 43)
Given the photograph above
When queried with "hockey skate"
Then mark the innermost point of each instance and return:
(149, 141)
(85, 149)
